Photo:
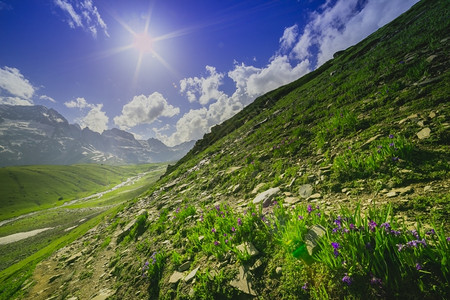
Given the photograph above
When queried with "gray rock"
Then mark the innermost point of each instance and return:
(73, 258)
(248, 247)
(315, 196)
(266, 197)
(54, 277)
(191, 275)
(305, 191)
(258, 187)
(242, 283)
(256, 265)
(279, 270)
(312, 237)
(424, 133)
(176, 276)
(184, 266)
(291, 200)
(391, 194)
(103, 294)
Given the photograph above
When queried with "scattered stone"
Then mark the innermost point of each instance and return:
(421, 123)
(54, 277)
(232, 169)
(266, 197)
(430, 58)
(72, 298)
(279, 270)
(312, 237)
(345, 190)
(366, 144)
(236, 188)
(242, 283)
(427, 189)
(305, 191)
(176, 276)
(404, 191)
(258, 187)
(424, 133)
(256, 265)
(432, 115)
(191, 275)
(248, 247)
(391, 194)
(315, 196)
(73, 258)
(291, 200)
(103, 294)
(200, 238)
(184, 266)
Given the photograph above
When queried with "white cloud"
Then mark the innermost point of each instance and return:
(343, 24)
(202, 89)
(83, 14)
(15, 89)
(47, 98)
(95, 119)
(289, 37)
(145, 110)
(78, 103)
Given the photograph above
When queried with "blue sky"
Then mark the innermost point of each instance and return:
(169, 69)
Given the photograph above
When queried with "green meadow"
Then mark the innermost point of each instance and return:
(25, 189)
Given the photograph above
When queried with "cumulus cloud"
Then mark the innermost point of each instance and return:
(82, 14)
(15, 89)
(78, 103)
(145, 110)
(203, 89)
(95, 118)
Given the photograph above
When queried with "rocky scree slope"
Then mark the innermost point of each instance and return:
(335, 185)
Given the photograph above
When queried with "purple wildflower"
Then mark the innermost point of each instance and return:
(305, 286)
(213, 230)
(336, 246)
(347, 279)
(300, 217)
(391, 136)
(216, 243)
(400, 247)
(395, 232)
(318, 214)
(448, 239)
(352, 226)
(386, 226)
(418, 267)
(431, 232)
(310, 209)
(239, 221)
(372, 225)
(233, 229)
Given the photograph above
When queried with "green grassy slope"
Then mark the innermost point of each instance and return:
(350, 130)
(29, 188)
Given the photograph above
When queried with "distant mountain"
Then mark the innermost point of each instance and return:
(39, 135)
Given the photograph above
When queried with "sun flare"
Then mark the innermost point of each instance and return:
(143, 42)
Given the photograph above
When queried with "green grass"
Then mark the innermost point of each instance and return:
(30, 188)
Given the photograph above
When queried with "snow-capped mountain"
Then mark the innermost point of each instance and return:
(39, 135)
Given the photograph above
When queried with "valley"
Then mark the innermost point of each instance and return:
(26, 234)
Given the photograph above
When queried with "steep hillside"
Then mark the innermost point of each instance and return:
(334, 186)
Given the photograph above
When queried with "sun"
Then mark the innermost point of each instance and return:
(143, 42)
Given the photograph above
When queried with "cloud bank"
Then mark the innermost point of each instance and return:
(95, 119)
(338, 25)
(83, 14)
(145, 110)
(15, 89)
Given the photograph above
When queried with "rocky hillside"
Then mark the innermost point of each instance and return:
(334, 186)
(38, 135)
